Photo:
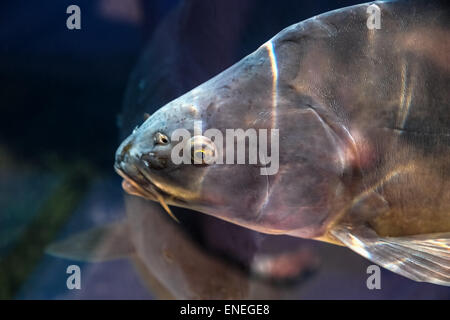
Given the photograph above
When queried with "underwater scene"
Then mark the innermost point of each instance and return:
(224, 149)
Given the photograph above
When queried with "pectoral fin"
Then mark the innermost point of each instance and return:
(100, 244)
(420, 258)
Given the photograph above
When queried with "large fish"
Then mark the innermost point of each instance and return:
(362, 106)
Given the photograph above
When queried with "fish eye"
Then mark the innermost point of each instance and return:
(161, 138)
(203, 150)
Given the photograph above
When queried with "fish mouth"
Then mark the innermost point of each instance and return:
(132, 187)
(151, 192)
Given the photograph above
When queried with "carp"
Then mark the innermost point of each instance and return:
(364, 138)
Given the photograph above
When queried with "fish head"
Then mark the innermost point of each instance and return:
(293, 190)
(145, 159)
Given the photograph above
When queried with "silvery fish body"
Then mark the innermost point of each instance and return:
(363, 125)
